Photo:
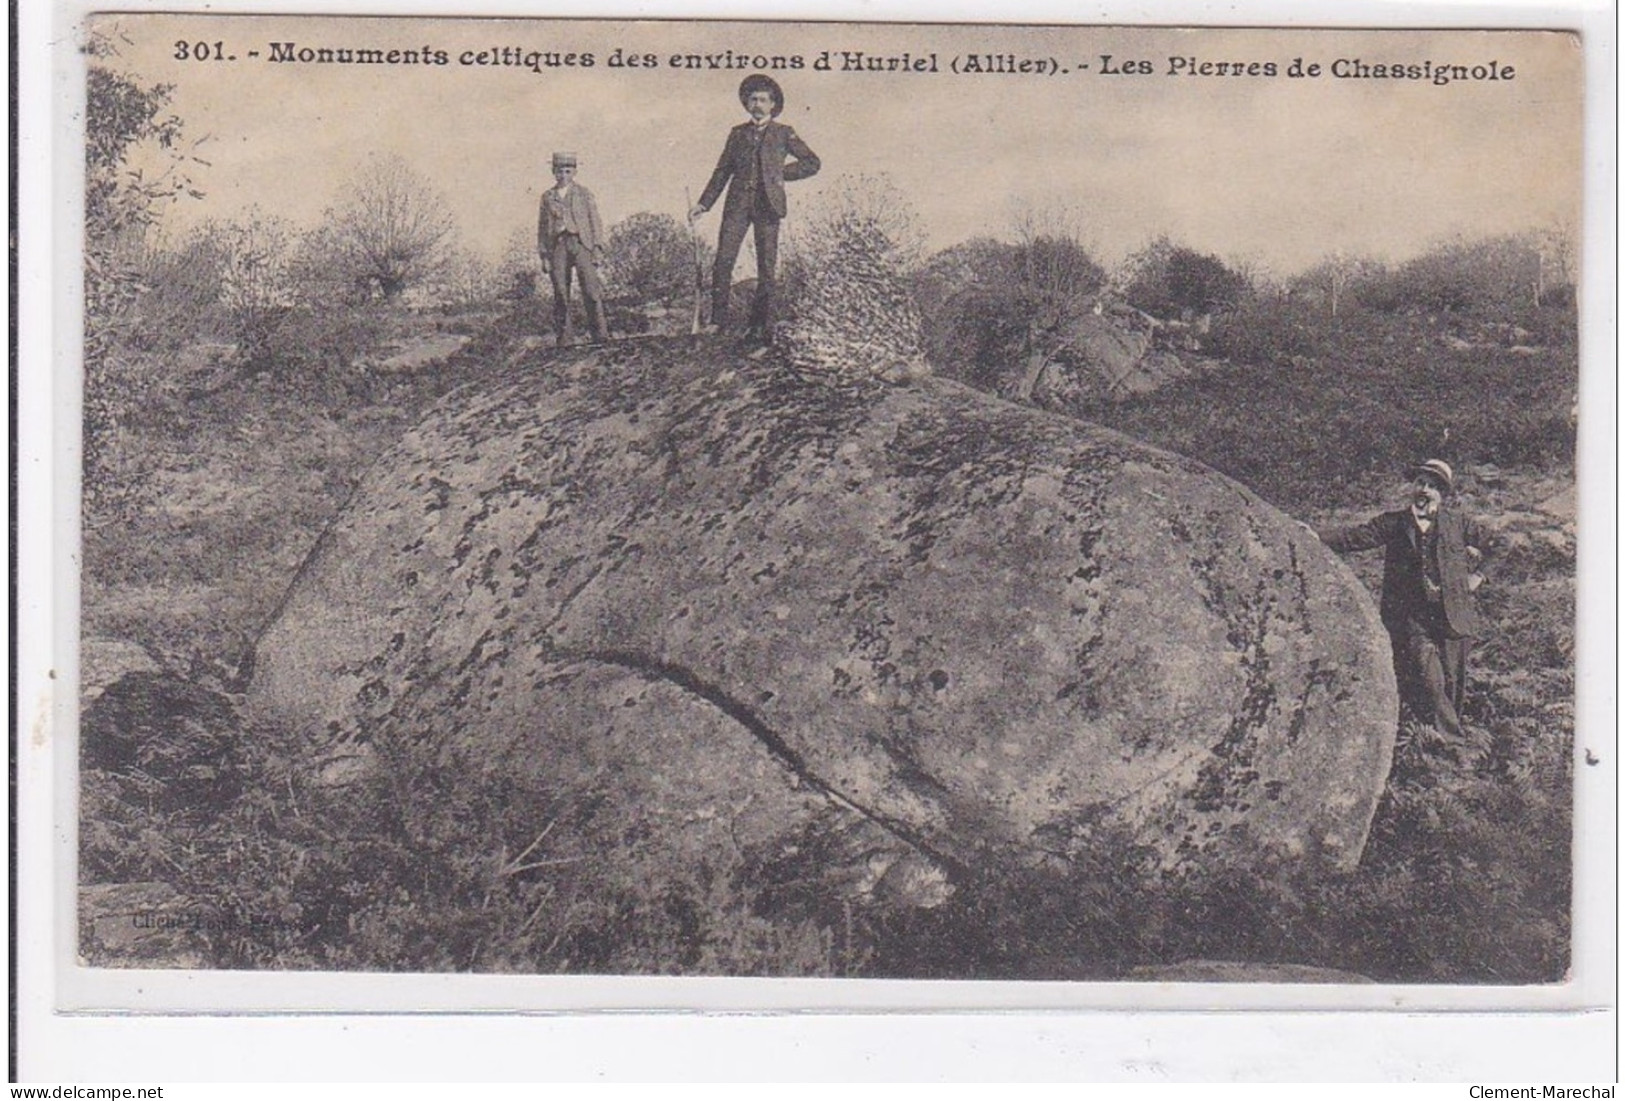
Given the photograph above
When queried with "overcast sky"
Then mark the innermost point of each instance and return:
(1277, 170)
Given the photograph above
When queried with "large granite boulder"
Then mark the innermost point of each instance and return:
(752, 606)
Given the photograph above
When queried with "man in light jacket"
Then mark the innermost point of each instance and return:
(570, 235)
(753, 169)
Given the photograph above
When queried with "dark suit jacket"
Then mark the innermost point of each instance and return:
(752, 162)
(1402, 569)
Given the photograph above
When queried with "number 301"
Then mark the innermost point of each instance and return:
(200, 51)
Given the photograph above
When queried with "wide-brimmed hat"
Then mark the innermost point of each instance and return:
(757, 82)
(564, 160)
(1438, 470)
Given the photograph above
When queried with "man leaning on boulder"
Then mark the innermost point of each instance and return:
(1430, 549)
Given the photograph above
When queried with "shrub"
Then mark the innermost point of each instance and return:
(464, 281)
(954, 290)
(390, 231)
(1168, 280)
(1267, 331)
(998, 309)
(180, 295)
(651, 261)
(121, 208)
(1339, 282)
(1494, 277)
(319, 350)
(413, 867)
(1465, 879)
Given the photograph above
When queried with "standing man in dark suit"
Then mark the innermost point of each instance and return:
(1430, 550)
(754, 160)
(570, 235)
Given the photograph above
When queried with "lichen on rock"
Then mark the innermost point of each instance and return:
(945, 627)
(856, 312)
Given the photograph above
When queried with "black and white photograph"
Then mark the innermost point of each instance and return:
(854, 501)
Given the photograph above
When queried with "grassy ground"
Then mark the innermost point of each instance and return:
(1335, 427)
(1466, 877)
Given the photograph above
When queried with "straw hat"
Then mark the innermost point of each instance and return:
(1439, 471)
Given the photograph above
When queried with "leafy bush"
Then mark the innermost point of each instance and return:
(1495, 277)
(651, 261)
(1168, 280)
(962, 322)
(993, 309)
(121, 207)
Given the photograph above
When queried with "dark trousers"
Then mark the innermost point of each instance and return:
(1432, 671)
(569, 252)
(766, 224)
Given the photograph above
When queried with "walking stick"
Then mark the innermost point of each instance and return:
(699, 265)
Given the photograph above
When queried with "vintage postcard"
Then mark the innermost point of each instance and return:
(1080, 511)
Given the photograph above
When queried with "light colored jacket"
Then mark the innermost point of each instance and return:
(577, 213)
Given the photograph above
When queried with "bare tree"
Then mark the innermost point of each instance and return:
(392, 230)
(1555, 268)
(1339, 271)
(1060, 281)
(1337, 275)
(864, 206)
